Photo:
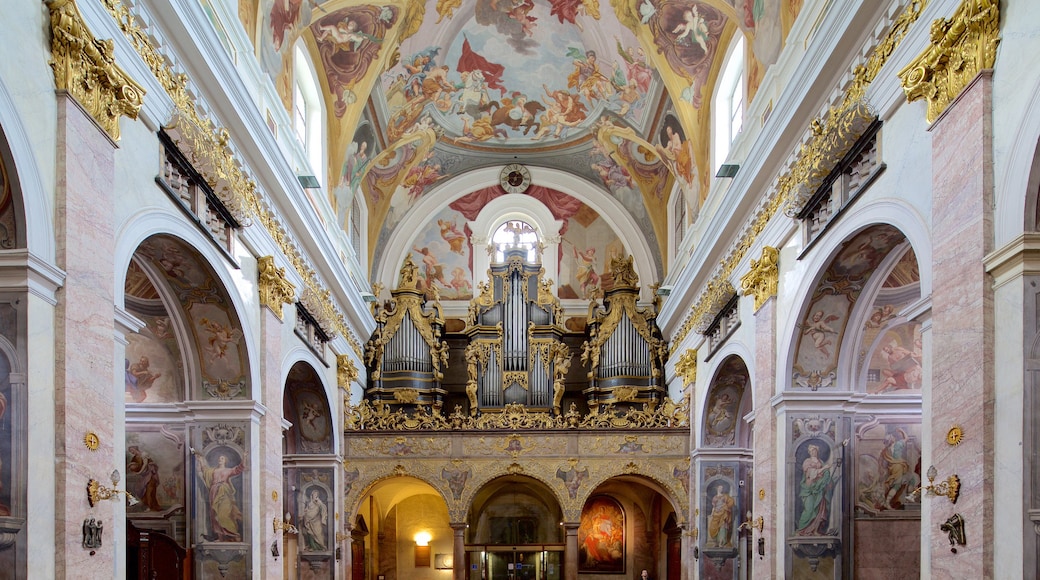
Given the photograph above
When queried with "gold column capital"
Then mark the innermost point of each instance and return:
(346, 372)
(960, 47)
(686, 367)
(85, 68)
(761, 281)
(275, 289)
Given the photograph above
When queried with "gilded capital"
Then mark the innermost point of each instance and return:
(762, 279)
(686, 367)
(960, 47)
(275, 289)
(346, 372)
(85, 67)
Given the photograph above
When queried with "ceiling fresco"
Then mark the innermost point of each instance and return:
(418, 93)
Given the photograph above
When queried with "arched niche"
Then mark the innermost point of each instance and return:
(515, 509)
(306, 408)
(624, 528)
(728, 400)
(201, 312)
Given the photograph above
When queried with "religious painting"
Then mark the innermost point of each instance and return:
(687, 34)
(153, 365)
(677, 151)
(586, 247)
(349, 41)
(9, 417)
(305, 406)
(443, 251)
(316, 515)
(211, 321)
(601, 536)
(818, 470)
(220, 475)
(822, 329)
(155, 468)
(722, 412)
(8, 211)
(895, 360)
(888, 468)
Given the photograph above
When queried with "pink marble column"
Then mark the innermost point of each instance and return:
(764, 429)
(458, 565)
(570, 551)
(962, 328)
(84, 342)
(270, 464)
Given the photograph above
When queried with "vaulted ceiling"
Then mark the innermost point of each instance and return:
(612, 97)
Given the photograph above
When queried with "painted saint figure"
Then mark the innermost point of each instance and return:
(720, 522)
(225, 515)
(139, 378)
(692, 30)
(315, 518)
(818, 330)
(147, 490)
(815, 492)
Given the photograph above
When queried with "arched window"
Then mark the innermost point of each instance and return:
(307, 113)
(515, 234)
(728, 105)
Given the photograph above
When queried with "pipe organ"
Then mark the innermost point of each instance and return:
(515, 354)
(625, 350)
(406, 354)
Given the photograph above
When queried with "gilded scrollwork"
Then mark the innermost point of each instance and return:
(346, 371)
(275, 289)
(761, 281)
(85, 67)
(368, 417)
(960, 47)
(686, 367)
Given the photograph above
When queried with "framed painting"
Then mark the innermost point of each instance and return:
(601, 536)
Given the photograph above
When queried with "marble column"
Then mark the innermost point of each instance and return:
(764, 496)
(570, 551)
(270, 464)
(84, 336)
(458, 558)
(962, 328)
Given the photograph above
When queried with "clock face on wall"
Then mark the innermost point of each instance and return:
(515, 178)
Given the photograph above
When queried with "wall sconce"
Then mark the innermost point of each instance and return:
(422, 549)
(97, 492)
(950, 487)
(423, 539)
(285, 525)
(751, 524)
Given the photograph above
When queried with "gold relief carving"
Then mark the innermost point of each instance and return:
(85, 67)
(275, 289)
(624, 394)
(366, 416)
(761, 281)
(91, 441)
(631, 467)
(406, 396)
(208, 148)
(829, 134)
(955, 435)
(718, 295)
(346, 372)
(686, 367)
(960, 48)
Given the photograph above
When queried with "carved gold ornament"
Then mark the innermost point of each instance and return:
(86, 68)
(761, 281)
(955, 435)
(346, 372)
(91, 441)
(686, 367)
(275, 289)
(807, 162)
(960, 48)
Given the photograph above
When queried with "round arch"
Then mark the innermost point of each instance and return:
(725, 403)
(883, 212)
(1018, 188)
(304, 401)
(145, 225)
(609, 209)
(25, 171)
(390, 489)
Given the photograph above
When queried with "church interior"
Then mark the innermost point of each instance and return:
(519, 289)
